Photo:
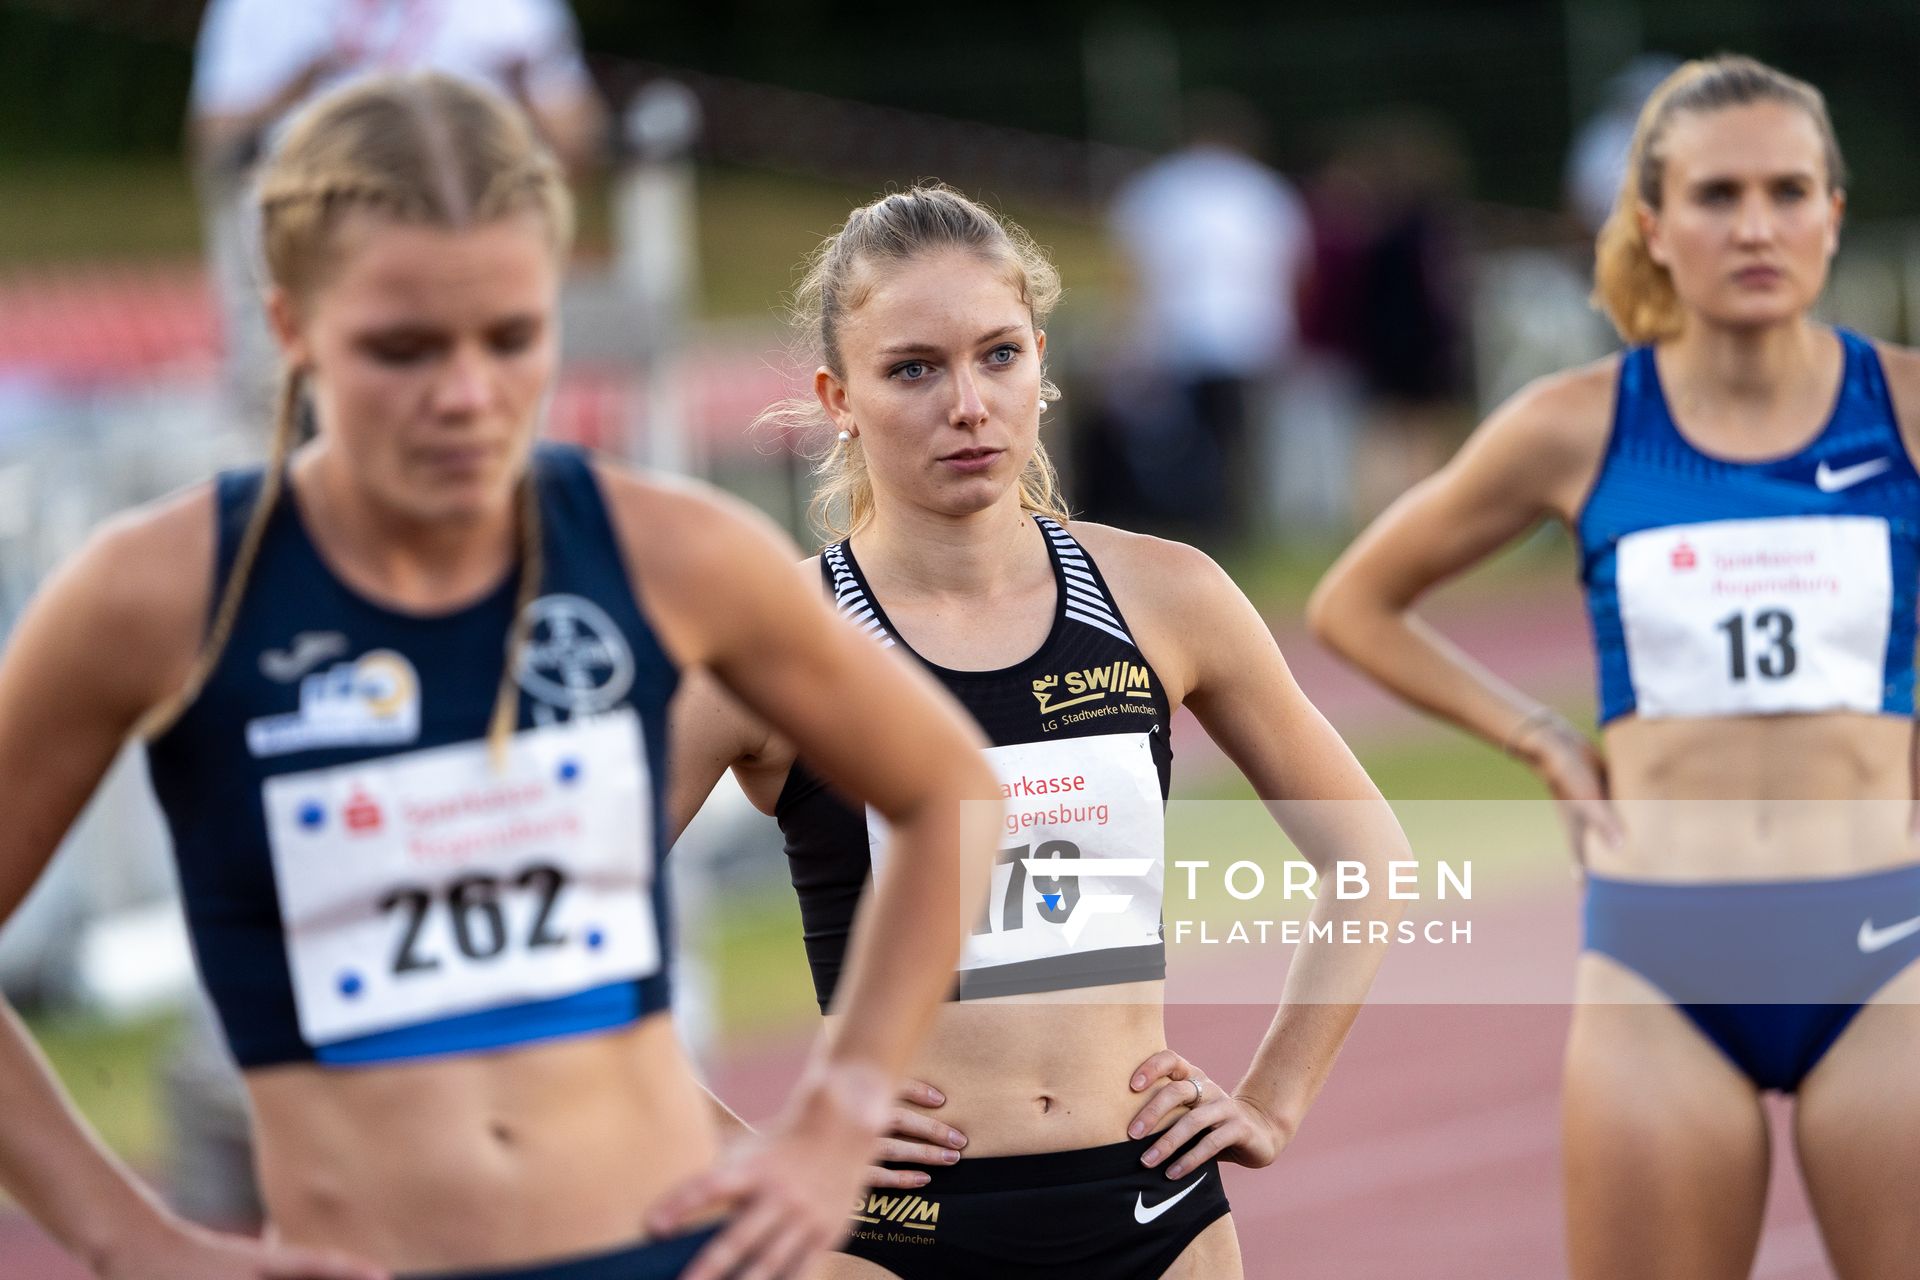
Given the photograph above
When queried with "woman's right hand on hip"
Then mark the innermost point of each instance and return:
(914, 1137)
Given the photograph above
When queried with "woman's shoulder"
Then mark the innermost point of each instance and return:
(1572, 406)
(125, 615)
(134, 561)
(1184, 610)
(702, 562)
(1151, 573)
(1138, 551)
(1901, 365)
(1544, 446)
(679, 525)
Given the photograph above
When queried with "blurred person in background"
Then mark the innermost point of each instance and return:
(1216, 241)
(1378, 392)
(1323, 404)
(1411, 311)
(1597, 159)
(256, 62)
(1596, 165)
(408, 724)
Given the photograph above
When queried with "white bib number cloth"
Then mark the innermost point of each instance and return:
(1082, 862)
(434, 883)
(1744, 617)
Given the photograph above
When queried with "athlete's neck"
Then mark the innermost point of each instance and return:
(914, 552)
(409, 563)
(1771, 379)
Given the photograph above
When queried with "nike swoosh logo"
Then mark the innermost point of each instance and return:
(1872, 939)
(1828, 480)
(1144, 1215)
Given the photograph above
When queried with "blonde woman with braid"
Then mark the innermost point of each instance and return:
(1051, 1127)
(1741, 484)
(404, 694)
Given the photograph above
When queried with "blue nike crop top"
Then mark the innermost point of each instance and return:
(1718, 587)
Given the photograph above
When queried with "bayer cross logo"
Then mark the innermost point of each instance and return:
(575, 658)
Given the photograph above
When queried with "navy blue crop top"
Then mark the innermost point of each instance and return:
(366, 878)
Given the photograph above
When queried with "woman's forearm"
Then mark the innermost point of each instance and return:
(1410, 658)
(54, 1166)
(1294, 1060)
(1328, 980)
(906, 941)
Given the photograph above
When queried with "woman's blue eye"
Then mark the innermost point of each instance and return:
(912, 370)
(1009, 352)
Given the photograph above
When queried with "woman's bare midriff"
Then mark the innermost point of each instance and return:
(1048, 1073)
(483, 1160)
(1759, 797)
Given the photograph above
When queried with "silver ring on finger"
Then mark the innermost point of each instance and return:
(1199, 1090)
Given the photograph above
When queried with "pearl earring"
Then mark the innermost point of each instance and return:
(845, 436)
(1043, 406)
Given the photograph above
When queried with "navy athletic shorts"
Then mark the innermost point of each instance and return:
(654, 1260)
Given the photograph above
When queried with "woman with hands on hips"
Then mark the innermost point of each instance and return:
(1052, 1130)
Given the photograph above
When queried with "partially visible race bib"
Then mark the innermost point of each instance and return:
(1082, 862)
(1741, 617)
(430, 884)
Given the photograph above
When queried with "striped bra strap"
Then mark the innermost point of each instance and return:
(1086, 595)
(849, 597)
(1087, 600)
